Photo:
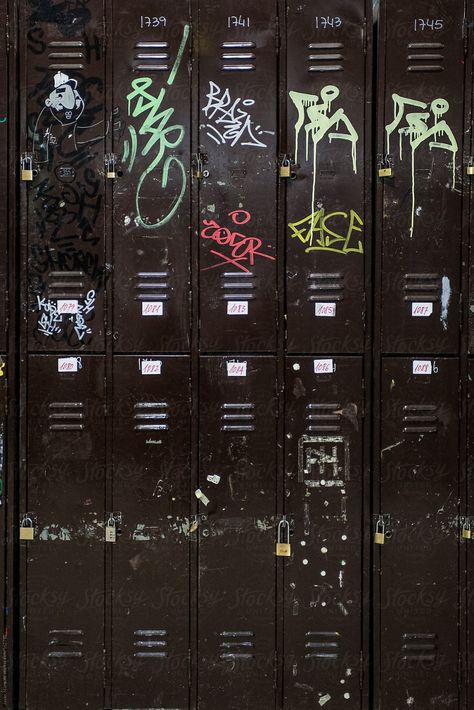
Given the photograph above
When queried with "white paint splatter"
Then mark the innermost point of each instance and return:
(325, 699)
(410, 701)
(445, 298)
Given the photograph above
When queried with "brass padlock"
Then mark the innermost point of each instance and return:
(198, 173)
(110, 166)
(27, 531)
(26, 168)
(466, 530)
(470, 170)
(285, 168)
(379, 536)
(110, 531)
(283, 547)
(385, 172)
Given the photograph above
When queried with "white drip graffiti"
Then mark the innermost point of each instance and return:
(314, 112)
(418, 130)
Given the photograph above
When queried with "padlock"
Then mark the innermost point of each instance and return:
(285, 168)
(110, 531)
(466, 530)
(110, 166)
(385, 172)
(379, 536)
(470, 170)
(198, 173)
(27, 531)
(26, 168)
(283, 547)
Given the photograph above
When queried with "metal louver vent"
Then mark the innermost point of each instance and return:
(427, 57)
(323, 418)
(152, 286)
(237, 417)
(65, 643)
(238, 286)
(151, 416)
(420, 419)
(325, 287)
(66, 416)
(322, 644)
(422, 287)
(150, 643)
(419, 647)
(151, 56)
(238, 56)
(325, 57)
(66, 284)
(236, 645)
(65, 54)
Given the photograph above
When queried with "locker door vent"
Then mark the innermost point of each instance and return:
(325, 56)
(66, 284)
(66, 416)
(236, 644)
(326, 287)
(422, 287)
(237, 417)
(66, 54)
(238, 56)
(322, 644)
(426, 55)
(238, 286)
(323, 417)
(65, 643)
(151, 416)
(150, 643)
(152, 286)
(420, 419)
(419, 647)
(151, 56)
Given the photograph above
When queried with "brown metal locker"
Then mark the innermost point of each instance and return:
(420, 149)
(151, 507)
(418, 607)
(328, 194)
(151, 164)
(62, 172)
(237, 527)
(237, 169)
(62, 567)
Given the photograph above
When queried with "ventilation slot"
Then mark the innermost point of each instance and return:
(419, 647)
(325, 57)
(151, 56)
(152, 286)
(322, 644)
(325, 287)
(150, 643)
(422, 287)
(323, 418)
(65, 643)
(426, 57)
(238, 286)
(66, 284)
(420, 419)
(151, 416)
(240, 56)
(237, 417)
(66, 416)
(236, 645)
(65, 55)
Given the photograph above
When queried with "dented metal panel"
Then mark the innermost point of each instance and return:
(237, 170)
(151, 507)
(419, 483)
(237, 528)
(328, 200)
(323, 591)
(420, 144)
(62, 143)
(151, 164)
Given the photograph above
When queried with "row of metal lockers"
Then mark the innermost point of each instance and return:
(237, 432)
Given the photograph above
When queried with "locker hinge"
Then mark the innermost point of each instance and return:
(7, 33)
(460, 684)
(460, 311)
(465, 35)
(364, 35)
(460, 399)
(361, 670)
(189, 667)
(277, 35)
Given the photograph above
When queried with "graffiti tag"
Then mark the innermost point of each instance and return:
(317, 232)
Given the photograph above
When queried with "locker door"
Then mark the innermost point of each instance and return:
(151, 203)
(62, 574)
(237, 533)
(468, 549)
(237, 203)
(5, 208)
(323, 491)
(150, 580)
(421, 96)
(419, 561)
(62, 141)
(328, 118)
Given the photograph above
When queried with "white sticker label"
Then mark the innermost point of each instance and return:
(152, 308)
(68, 306)
(237, 308)
(201, 496)
(422, 367)
(236, 369)
(214, 478)
(323, 366)
(69, 364)
(421, 310)
(325, 310)
(150, 367)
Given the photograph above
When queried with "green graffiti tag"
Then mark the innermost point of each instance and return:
(418, 130)
(323, 226)
(160, 136)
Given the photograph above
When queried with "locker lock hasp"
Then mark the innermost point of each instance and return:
(283, 547)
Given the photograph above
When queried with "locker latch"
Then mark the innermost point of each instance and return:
(385, 166)
(466, 531)
(27, 528)
(26, 166)
(283, 546)
(382, 529)
(199, 161)
(111, 161)
(285, 166)
(470, 167)
(112, 526)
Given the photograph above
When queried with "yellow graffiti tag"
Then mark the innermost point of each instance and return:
(317, 234)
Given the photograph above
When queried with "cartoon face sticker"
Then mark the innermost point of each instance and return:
(64, 101)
